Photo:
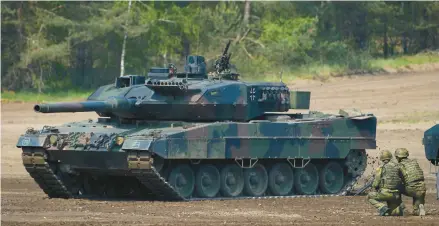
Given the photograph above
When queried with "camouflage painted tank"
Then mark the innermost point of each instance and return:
(189, 136)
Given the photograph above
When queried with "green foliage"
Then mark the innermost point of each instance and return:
(324, 71)
(58, 45)
(289, 40)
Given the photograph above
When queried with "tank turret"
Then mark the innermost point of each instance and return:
(201, 100)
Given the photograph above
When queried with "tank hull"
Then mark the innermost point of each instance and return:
(177, 161)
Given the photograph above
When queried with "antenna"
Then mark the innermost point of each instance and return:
(198, 38)
(281, 74)
(122, 56)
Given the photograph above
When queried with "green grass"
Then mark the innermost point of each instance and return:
(11, 96)
(403, 61)
(324, 71)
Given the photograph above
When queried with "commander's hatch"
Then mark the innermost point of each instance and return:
(129, 80)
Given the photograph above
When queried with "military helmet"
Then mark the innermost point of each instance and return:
(385, 155)
(401, 153)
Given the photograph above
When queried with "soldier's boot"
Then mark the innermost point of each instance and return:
(421, 210)
(383, 210)
(398, 211)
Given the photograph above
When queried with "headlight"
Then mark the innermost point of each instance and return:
(53, 139)
(119, 140)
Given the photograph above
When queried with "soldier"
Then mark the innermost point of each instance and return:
(413, 179)
(387, 183)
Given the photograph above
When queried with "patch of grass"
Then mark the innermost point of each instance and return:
(403, 61)
(415, 117)
(314, 71)
(324, 71)
(23, 96)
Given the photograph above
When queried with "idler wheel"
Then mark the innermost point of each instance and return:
(356, 161)
(232, 180)
(207, 183)
(281, 179)
(182, 179)
(255, 180)
(306, 180)
(331, 178)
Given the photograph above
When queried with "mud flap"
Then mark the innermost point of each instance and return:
(139, 160)
(33, 158)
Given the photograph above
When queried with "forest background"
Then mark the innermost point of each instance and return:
(51, 47)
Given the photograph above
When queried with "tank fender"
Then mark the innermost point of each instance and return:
(363, 117)
(36, 140)
(144, 145)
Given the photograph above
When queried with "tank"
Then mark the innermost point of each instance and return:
(431, 146)
(195, 135)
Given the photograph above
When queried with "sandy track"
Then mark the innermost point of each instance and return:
(395, 99)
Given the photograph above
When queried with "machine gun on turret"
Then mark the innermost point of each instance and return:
(223, 68)
(223, 64)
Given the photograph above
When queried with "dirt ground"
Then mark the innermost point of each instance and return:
(406, 105)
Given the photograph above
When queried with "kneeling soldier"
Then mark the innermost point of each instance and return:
(387, 182)
(413, 179)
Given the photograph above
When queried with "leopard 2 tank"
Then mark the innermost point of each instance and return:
(178, 136)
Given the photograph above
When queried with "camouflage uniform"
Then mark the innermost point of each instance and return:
(413, 178)
(387, 183)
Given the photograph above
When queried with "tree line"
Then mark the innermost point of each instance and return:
(61, 44)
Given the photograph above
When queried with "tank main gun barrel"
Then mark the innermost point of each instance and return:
(112, 104)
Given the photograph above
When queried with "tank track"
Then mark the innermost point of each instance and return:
(40, 170)
(152, 180)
